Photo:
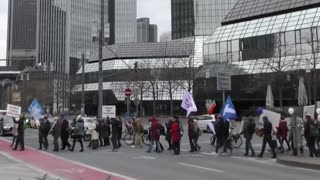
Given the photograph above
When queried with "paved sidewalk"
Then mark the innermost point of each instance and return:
(300, 161)
(11, 169)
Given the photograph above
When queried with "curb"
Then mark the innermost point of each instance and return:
(295, 163)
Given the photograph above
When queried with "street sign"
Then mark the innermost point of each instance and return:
(13, 111)
(128, 92)
(223, 82)
(109, 111)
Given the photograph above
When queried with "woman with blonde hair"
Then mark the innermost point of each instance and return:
(138, 131)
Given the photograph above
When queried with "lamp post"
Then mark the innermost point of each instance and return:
(101, 42)
(293, 123)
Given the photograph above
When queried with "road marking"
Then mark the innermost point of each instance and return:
(30, 166)
(90, 168)
(192, 155)
(210, 154)
(144, 157)
(200, 167)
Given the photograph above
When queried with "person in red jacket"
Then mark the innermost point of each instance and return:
(282, 133)
(176, 136)
(154, 134)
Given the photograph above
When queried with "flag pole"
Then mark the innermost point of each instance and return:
(223, 97)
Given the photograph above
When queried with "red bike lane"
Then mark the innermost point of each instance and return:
(66, 169)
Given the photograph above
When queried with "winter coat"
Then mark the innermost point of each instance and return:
(105, 130)
(283, 129)
(155, 130)
(169, 127)
(175, 132)
(79, 128)
(56, 130)
(267, 128)
(191, 129)
(249, 129)
(65, 129)
(15, 129)
(92, 130)
(222, 128)
(20, 124)
(138, 128)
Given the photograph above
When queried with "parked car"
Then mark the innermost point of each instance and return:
(204, 120)
(6, 125)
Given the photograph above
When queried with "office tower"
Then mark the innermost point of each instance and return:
(122, 20)
(197, 17)
(153, 33)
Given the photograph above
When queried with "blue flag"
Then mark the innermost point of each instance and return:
(228, 111)
(35, 109)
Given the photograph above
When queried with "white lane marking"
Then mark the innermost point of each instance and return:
(144, 157)
(30, 166)
(192, 155)
(210, 154)
(85, 165)
(200, 167)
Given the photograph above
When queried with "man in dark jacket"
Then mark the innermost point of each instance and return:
(56, 132)
(44, 129)
(78, 133)
(20, 138)
(311, 132)
(248, 131)
(115, 132)
(267, 137)
(191, 135)
(64, 132)
(222, 134)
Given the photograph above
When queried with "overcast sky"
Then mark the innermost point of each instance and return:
(158, 11)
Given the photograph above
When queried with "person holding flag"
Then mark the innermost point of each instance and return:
(188, 103)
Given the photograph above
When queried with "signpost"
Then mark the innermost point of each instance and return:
(13, 111)
(109, 111)
(128, 93)
(223, 83)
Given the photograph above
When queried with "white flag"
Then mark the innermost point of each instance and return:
(188, 103)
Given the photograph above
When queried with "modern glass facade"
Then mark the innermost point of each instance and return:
(122, 19)
(253, 45)
(198, 17)
(143, 30)
(153, 33)
(21, 40)
(245, 10)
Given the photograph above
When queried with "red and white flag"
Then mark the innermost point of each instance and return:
(188, 103)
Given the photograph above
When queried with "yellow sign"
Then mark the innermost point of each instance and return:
(16, 97)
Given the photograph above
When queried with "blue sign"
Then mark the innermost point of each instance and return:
(228, 112)
(35, 109)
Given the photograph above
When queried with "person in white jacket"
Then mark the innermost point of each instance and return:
(92, 126)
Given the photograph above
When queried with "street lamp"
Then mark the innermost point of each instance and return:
(82, 56)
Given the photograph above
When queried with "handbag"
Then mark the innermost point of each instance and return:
(274, 143)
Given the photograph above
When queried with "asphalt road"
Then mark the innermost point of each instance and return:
(138, 164)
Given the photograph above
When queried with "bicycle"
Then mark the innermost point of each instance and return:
(236, 140)
(128, 138)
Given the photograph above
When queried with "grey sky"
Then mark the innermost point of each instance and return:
(158, 11)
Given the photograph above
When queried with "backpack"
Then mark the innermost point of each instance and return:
(314, 131)
(251, 129)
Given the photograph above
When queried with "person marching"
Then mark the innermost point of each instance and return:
(14, 133)
(311, 132)
(78, 133)
(20, 137)
(267, 137)
(191, 135)
(56, 132)
(248, 131)
(138, 131)
(176, 136)
(198, 133)
(44, 129)
(65, 132)
(282, 134)
(168, 134)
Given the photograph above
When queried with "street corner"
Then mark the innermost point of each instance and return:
(300, 161)
(57, 166)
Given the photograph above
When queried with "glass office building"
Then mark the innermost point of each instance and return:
(197, 17)
(160, 66)
(264, 40)
(122, 19)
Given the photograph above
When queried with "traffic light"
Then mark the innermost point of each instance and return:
(136, 66)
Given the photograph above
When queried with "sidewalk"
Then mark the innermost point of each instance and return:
(11, 169)
(300, 161)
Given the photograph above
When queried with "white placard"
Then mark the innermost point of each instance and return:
(273, 117)
(308, 110)
(109, 111)
(13, 111)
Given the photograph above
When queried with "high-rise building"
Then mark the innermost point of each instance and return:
(122, 19)
(197, 17)
(143, 30)
(146, 32)
(22, 27)
(50, 32)
(153, 33)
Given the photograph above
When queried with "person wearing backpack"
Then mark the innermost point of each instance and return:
(78, 133)
(248, 131)
(311, 132)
